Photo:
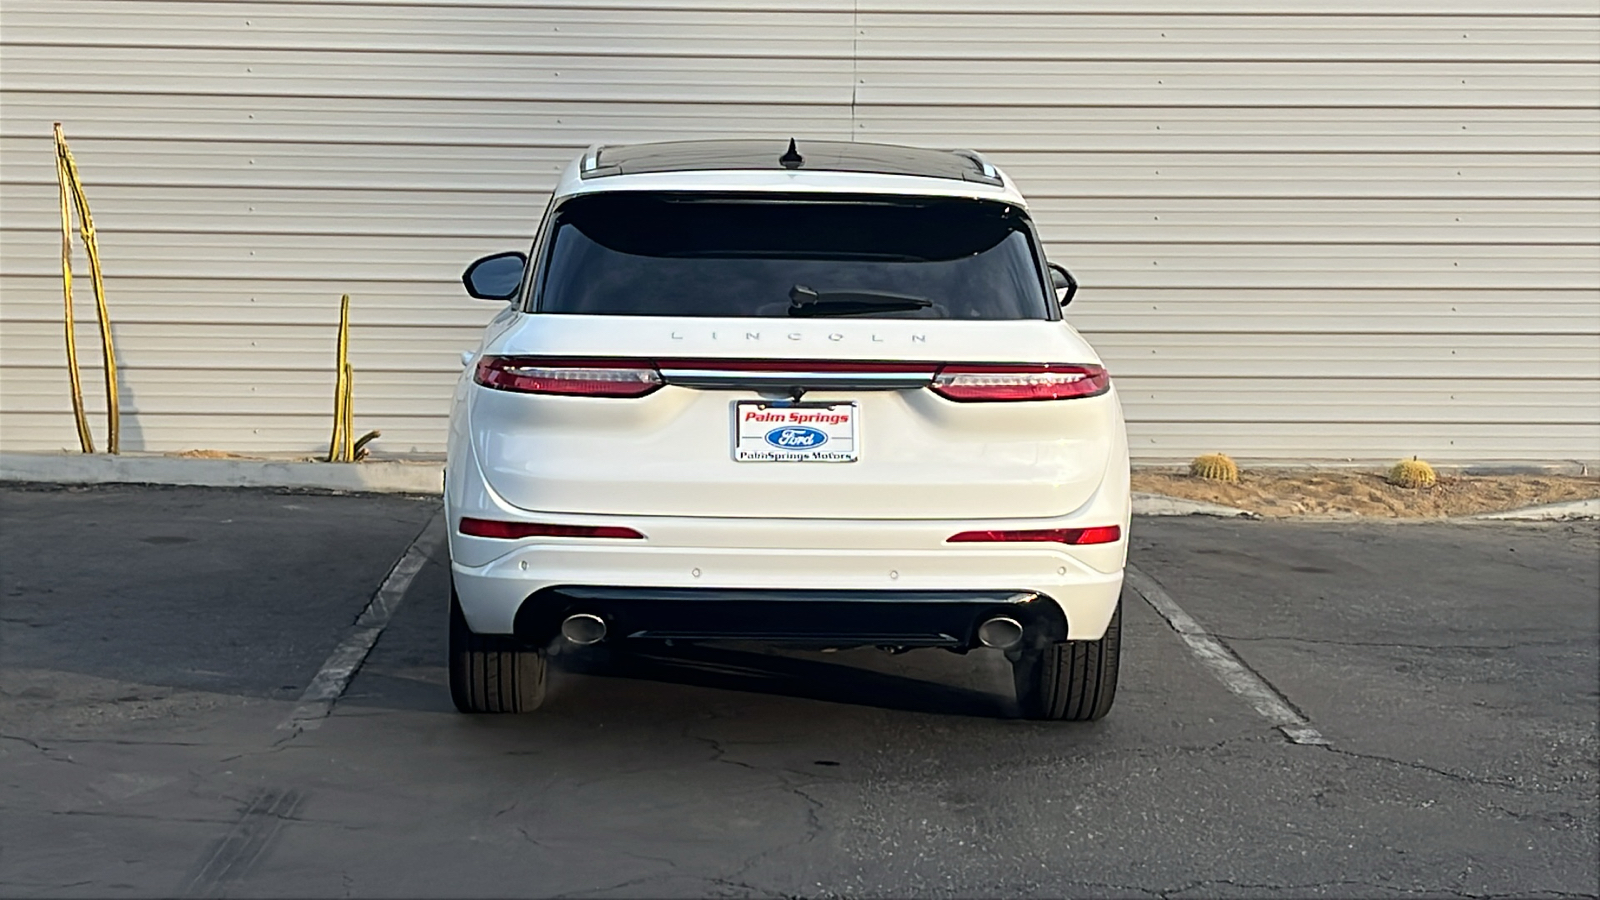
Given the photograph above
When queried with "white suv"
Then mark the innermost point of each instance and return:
(818, 395)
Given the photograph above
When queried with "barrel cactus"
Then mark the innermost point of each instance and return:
(1412, 473)
(1215, 467)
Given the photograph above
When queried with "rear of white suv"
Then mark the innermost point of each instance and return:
(821, 396)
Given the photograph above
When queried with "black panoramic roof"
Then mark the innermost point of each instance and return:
(814, 156)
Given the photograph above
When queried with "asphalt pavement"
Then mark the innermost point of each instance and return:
(155, 644)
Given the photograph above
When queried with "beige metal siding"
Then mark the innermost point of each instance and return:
(1339, 228)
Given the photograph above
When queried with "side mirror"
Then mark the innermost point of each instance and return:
(495, 277)
(1063, 282)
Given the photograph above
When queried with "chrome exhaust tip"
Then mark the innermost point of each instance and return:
(583, 628)
(1000, 632)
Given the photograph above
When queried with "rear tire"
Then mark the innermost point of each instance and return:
(491, 673)
(1075, 681)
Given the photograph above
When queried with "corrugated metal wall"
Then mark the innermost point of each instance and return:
(1321, 228)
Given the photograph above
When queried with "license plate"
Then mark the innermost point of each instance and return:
(775, 431)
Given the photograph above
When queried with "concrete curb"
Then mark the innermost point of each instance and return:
(426, 476)
(1162, 505)
(383, 476)
(1572, 509)
(380, 476)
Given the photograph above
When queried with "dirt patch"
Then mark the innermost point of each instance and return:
(1322, 492)
(209, 454)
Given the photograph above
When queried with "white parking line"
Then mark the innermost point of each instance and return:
(1222, 662)
(341, 665)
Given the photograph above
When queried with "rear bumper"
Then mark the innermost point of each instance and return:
(492, 594)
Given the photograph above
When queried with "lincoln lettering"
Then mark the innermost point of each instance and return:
(833, 337)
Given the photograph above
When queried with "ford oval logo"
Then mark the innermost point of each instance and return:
(796, 437)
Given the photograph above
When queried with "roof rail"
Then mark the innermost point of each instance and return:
(984, 166)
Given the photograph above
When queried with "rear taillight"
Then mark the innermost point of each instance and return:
(1099, 534)
(492, 528)
(1044, 381)
(575, 377)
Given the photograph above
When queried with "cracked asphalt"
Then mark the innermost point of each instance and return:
(154, 639)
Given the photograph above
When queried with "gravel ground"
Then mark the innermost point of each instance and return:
(1342, 492)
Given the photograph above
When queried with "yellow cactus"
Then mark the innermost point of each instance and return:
(1215, 467)
(1412, 473)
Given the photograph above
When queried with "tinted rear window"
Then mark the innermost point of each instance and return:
(666, 255)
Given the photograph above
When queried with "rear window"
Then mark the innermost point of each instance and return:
(627, 254)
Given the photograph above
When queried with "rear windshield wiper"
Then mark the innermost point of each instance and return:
(804, 301)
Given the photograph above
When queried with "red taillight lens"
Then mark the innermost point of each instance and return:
(1099, 534)
(574, 377)
(491, 528)
(1045, 381)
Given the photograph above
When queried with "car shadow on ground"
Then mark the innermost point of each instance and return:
(794, 673)
(608, 677)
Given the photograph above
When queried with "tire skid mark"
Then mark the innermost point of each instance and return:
(234, 856)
